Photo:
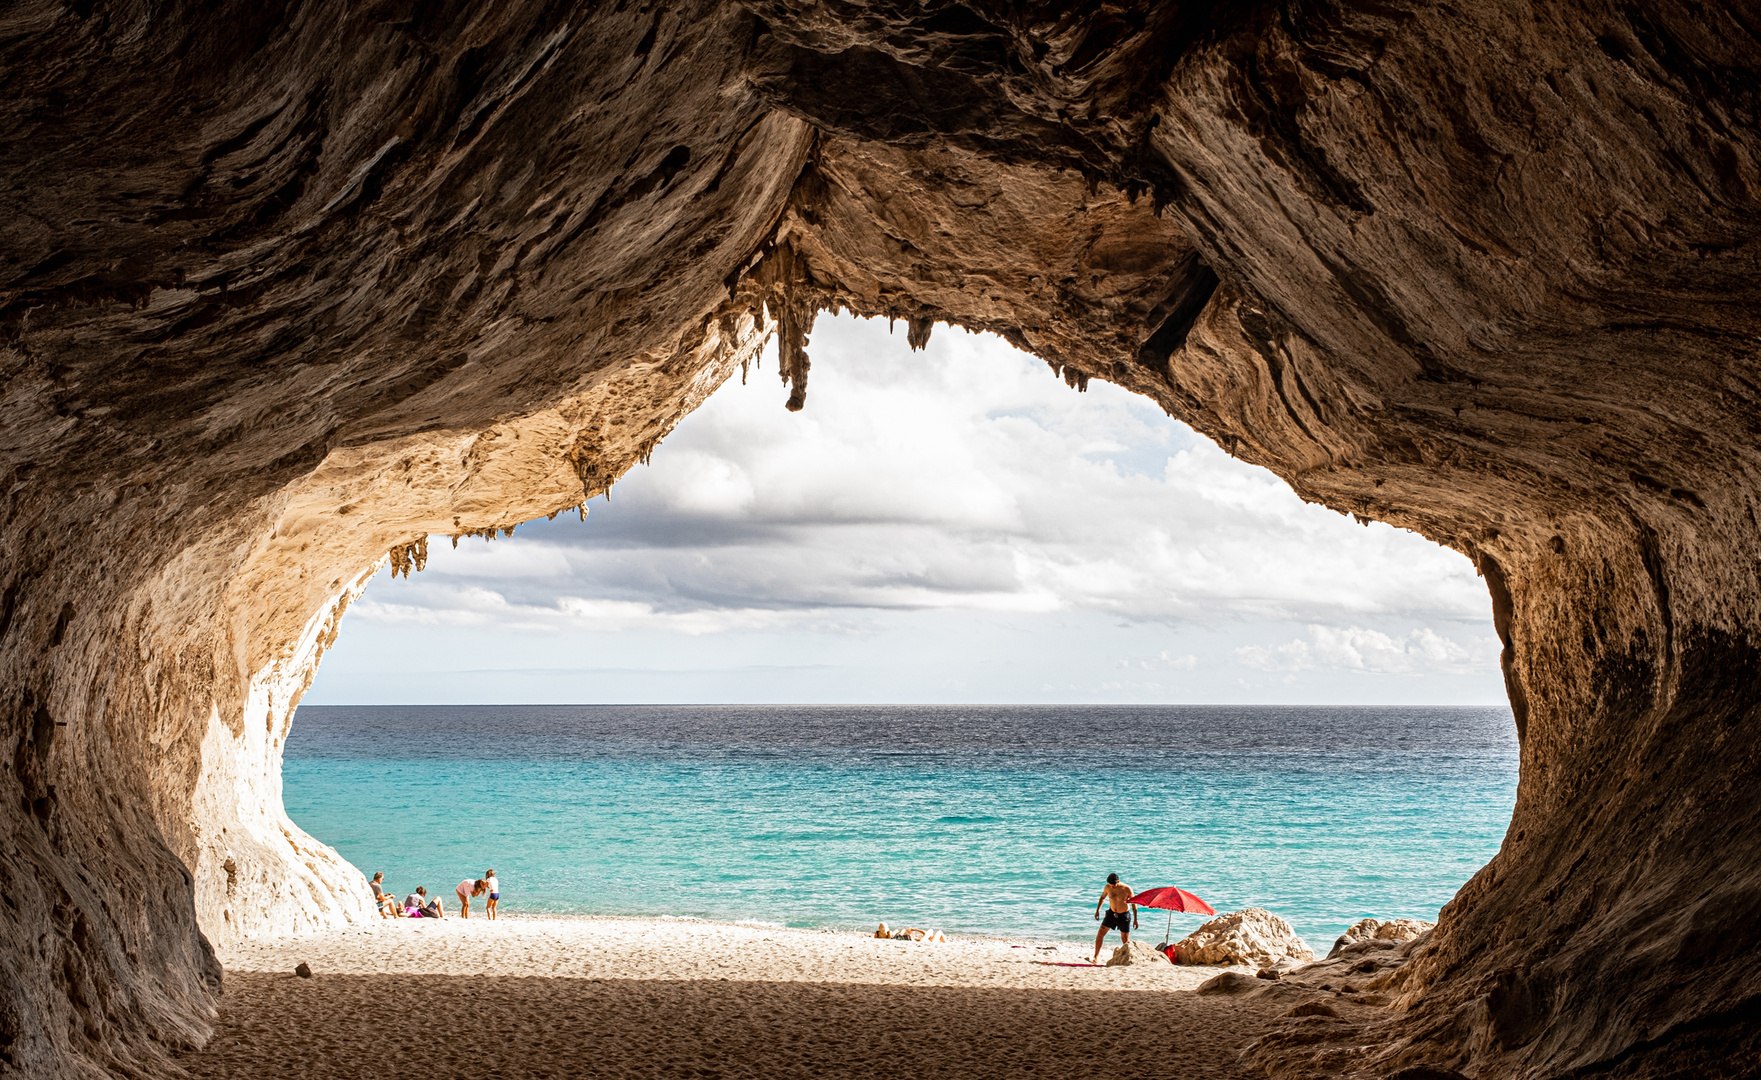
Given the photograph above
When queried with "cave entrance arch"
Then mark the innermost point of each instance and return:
(901, 475)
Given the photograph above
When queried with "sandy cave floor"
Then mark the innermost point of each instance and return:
(561, 997)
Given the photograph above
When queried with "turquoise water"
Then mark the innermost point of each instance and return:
(996, 820)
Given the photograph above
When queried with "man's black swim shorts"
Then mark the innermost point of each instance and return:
(1117, 920)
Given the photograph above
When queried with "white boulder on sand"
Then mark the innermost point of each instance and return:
(1135, 953)
(1252, 936)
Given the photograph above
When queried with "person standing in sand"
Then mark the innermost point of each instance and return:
(1121, 912)
(467, 889)
(494, 891)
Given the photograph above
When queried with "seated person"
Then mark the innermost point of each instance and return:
(387, 903)
(432, 909)
(413, 902)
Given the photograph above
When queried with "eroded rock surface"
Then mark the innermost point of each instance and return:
(285, 288)
(1373, 929)
(1351, 991)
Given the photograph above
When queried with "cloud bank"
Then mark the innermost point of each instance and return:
(961, 486)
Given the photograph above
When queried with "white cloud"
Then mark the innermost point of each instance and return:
(966, 477)
(485, 608)
(952, 518)
(1360, 649)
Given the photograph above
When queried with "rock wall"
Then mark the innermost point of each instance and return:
(286, 289)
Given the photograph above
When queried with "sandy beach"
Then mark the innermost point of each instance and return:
(553, 997)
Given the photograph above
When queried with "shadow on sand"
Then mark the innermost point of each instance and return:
(438, 1026)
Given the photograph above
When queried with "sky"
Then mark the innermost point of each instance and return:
(953, 525)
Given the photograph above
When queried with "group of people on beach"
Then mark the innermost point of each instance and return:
(1121, 913)
(420, 905)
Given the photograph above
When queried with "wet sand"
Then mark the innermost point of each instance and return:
(534, 997)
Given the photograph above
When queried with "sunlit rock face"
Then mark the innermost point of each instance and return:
(286, 288)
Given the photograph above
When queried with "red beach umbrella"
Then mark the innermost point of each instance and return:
(1172, 899)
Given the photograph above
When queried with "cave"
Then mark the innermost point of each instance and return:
(286, 288)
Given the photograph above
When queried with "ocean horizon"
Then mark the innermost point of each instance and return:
(999, 820)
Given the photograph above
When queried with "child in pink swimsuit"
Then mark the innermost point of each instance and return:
(467, 889)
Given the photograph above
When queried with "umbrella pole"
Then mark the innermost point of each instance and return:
(1170, 928)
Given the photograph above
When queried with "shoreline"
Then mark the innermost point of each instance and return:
(703, 920)
(685, 947)
(1073, 942)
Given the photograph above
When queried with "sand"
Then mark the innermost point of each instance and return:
(556, 997)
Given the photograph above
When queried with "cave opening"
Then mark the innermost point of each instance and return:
(953, 601)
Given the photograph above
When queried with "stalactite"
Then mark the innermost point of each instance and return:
(917, 330)
(411, 557)
(784, 287)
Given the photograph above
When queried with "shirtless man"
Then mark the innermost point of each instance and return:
(1117, 898)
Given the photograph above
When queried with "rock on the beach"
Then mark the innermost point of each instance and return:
(1229, 982)
(1252, 936)
(1370, 930)
(304, 971)
(1403, 929)
(1135, 953)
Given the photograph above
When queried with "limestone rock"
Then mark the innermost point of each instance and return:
(1363, 928)
(1371, 929)
(1374, 966)
(1403, 929)
(1229, 984)
(1135, 953)
(1252, 936)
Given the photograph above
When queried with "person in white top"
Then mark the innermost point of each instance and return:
(494, 891)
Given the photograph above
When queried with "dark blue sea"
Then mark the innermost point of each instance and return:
(976, 819)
